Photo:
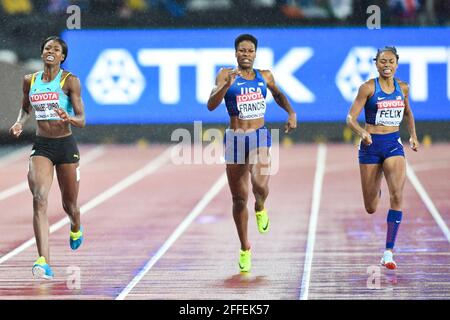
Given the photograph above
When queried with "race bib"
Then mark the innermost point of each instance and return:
(390, 112)
(45, 104)
(251, 105)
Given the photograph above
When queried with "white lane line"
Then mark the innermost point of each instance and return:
(315, 205)
(23, 186)
(133, 178)
(92, 155)
(201, 205)
(18, 188)
(15, 155)
(427, 200)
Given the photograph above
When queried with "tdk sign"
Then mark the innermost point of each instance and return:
(166, 76)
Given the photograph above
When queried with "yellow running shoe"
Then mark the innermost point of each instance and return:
(245, 260)
(262, 219)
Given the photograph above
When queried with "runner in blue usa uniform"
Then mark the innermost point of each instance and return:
(55, 96)
(386, 102)
(247, 140)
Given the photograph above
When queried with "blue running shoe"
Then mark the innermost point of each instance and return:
(76, 238)
(41, 270)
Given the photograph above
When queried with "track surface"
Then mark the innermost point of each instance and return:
(166, 231)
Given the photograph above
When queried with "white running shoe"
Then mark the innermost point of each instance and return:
(388, 261)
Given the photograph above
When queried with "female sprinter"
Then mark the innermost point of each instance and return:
(385, 102)
(247, 141)
(55, 96)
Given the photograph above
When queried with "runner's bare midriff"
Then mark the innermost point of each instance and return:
(53, 129)
(246, 125)
(380, 129)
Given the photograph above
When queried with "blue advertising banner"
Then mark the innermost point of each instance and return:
(166, 76)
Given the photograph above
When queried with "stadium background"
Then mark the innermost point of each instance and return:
(319, 50)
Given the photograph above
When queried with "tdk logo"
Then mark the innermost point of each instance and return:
(116, 78)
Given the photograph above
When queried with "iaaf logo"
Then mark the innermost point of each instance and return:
(48, 96)
(116, 77)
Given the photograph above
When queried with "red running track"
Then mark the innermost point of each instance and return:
(130, 217)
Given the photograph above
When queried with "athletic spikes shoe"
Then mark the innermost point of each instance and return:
(388, 261)
(245, 260)
(41, 270)
(262, 219)
(76, 238)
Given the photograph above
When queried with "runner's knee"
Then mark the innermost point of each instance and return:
(261, 191)
(70, 207)
(396, 198)
(371, 209)
(239, 202)
(39, 197)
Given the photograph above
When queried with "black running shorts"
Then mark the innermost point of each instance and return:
(58, 150)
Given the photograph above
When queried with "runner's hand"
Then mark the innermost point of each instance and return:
(366, 138)
(62, 114)
(414, 143)
(231, 76)
(16, 130)
(291, 123)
